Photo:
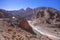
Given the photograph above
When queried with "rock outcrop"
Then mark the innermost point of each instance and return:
(47, 16)
(46, 21)
(24, 25)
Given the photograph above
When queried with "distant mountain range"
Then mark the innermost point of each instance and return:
(45, 17)
(27, 13)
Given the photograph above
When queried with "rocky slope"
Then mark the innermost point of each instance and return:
(5, 14)
(46, 20)
(15, 33)
(47, 15)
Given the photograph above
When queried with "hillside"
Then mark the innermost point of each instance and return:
(45, 20)
(5, 14)
(15, 33)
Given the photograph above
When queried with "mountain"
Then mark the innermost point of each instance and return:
(47, 15)
(46, 21)
(5, 14)
(22, 13)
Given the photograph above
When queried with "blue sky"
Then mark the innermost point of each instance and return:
(18, 4)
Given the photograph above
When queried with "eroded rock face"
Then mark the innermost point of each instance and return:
(47, 21)
(24, 25)
(47, 16)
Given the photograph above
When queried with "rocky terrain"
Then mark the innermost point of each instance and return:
(25, 24)
(47, 21)
(10, 33)
(48, 16)
(15, 33)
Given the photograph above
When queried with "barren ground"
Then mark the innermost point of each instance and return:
(12, 33)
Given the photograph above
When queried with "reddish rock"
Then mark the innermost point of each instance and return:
(24, 25)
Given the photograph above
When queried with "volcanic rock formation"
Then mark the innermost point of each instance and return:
(24, 25)
(46, 20)
(47, 16)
